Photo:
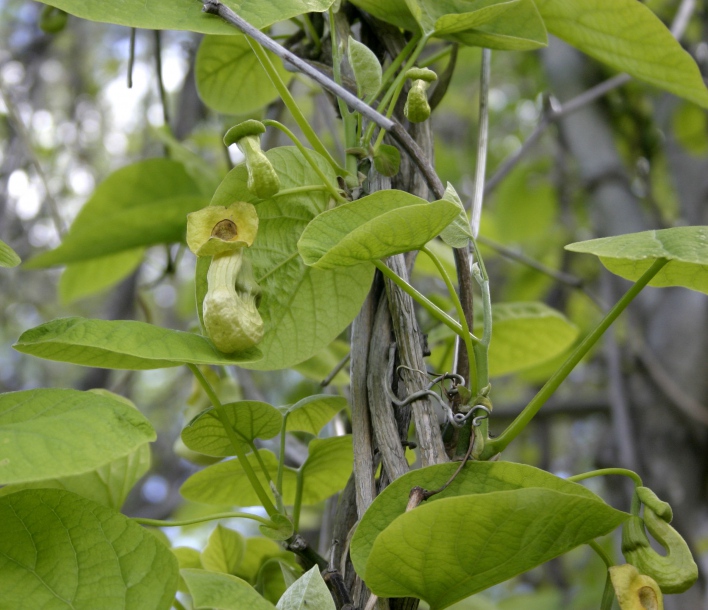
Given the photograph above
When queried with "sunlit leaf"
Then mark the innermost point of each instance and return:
(629, 256)
(311, 414)
(122, 344)
(57, 433)
(379, 225)
(308, 591)
(222, 591)
(224, 550)
(58, 550)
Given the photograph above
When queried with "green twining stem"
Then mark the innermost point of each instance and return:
(428, 305)
(183, 522)
(607, 560)
(235, 442)
(499, 443)
(308, 157)
(291, 104)
(622, 472)
(298, 499)
(281, 461)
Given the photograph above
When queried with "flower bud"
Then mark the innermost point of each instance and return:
(263, 181)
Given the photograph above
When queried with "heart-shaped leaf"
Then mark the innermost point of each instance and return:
(303, 309)
(626, 35)
(475, 478)
(143, 204)
(373, 227)
(308, 591)
(108, 485)
(312, 413)
(224, 550)
(281, 529)
(8, 257)
(58, 549)
(230, 78)
(122, 344)
(222, 591)
(56, 433)
(445, 551)
(366, 67)
(629, 256)
(250, 419)
(187, 14)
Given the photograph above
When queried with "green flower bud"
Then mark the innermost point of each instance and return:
(635, 591)
(52, 20)
(674, 572)
(417, 108)
(263, 181)
(230, 310)
(650, 499)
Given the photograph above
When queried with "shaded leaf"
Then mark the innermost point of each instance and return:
(250, 419)
(366, 68)
(186, 558)
(387, 160)
(54, 545)
(475, 478)
(311, 414)
(303, 309)
(122, 344)
(629, 256)
(327, 468)
(8, 257)
(379, 225)
(626, 35)
(282, 528)
(230, 78)
(222, 591)
(308, 591)
(458, 232)
(513, 532)
(57, 433)
(187, 14)
(321, 364)
(142, 204)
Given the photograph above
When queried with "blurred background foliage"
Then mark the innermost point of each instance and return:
(68, 119)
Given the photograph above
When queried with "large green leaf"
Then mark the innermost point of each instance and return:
(524, 334)
(373, 227)
(250, 419)
(303, 309)
(497, 24)
(629, 256)
(143, 204)
(108, 485)
(475, 478)
(89, 277)
(308, 591)
(446, 551)
(122, 344)
(56, 433)
(222, 591)
(230, 78)
(312, 413)
(8, 257)
(58, 550)
(325, 472)
(224, 550)
(187, 14)
(626, 35)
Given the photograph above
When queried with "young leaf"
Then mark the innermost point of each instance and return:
(55, 545)
(458, 232)
(224, 550)
(250, 420)
(282, 528)
(86, 278)
(187, 14)
(387, 160)
(327, 468)
(108, 485)
(143, 204)
(475, 478)
(626, 35)
(308, 591)
(122, 344)
(230, 78)
(312, 413)
(8, 257)
(222, 591)
(466, 544)
(57, 433)
(366, 67)
(629, 256)
(303, 309)
(379, 225)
